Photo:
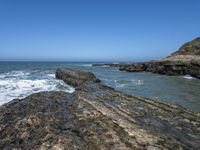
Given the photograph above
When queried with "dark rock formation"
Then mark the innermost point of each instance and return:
(165, 67)
(96, 117)
(76, 77)
(40, 121)
(186, 61)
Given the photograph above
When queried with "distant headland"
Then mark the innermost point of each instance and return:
(185, 61)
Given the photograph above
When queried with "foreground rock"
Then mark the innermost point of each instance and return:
(96, 117)
(185, 61)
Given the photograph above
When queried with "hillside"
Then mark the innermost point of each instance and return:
(190, 51)
(189, 48)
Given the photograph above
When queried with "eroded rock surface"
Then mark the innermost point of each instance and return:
(40, 121)
(165, 67)
(76, 77)
(96, 117)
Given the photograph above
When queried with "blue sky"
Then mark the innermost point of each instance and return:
(95, 30)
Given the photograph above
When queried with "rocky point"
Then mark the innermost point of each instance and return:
(185, 61)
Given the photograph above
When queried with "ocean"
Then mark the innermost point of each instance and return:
(20, 79)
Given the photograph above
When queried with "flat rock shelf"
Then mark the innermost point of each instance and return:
(95, 117)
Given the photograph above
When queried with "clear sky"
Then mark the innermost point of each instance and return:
(95, 30)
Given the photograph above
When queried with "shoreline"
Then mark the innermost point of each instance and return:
(170, 68)
(185, 61)
(95, 116)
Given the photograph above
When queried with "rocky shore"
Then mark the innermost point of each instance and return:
(165, 67)
(95, 117)
(185, 61)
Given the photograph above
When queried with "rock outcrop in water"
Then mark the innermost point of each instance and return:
(95, 117)
(165, 67)
(76, 77)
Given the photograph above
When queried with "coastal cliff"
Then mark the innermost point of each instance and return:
(95, 117)
(185, 61)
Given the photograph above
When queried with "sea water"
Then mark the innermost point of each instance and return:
(20, 79)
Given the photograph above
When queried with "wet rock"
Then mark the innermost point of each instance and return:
(113, 120)
(137, 67)
(165, 67)
(96, 117)
(40, 121)
(76, 77)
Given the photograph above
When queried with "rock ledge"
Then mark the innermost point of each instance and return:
(95, 117)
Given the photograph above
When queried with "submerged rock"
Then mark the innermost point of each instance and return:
(96, 117)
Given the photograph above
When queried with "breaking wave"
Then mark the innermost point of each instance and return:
(188, 77)
(19, 84)
(87, 65)
(123, 83)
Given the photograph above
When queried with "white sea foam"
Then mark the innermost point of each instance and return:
(51, 75)
(14, 74)
(120, 85)
(16, 84)
(123, 83)
(105, 66)
(188, 77)
(137, 82)
(87, 65)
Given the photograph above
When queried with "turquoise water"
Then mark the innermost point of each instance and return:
(20, 79)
